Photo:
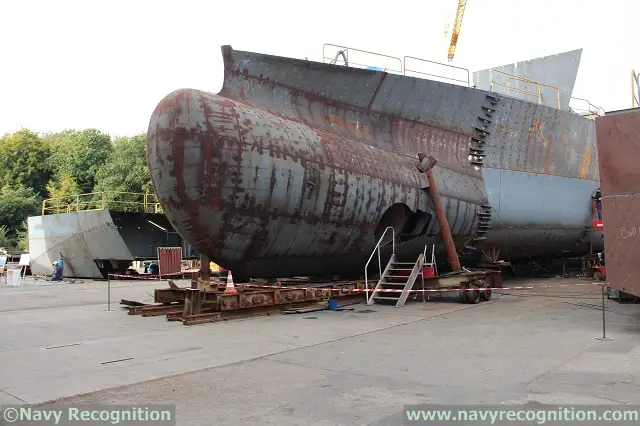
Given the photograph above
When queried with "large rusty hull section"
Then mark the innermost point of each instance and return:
(295, 166)
(619, 150)
(268, 196)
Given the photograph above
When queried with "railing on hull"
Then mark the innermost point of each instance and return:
(377, 248)
(509, 78)
(586, 109)
(394, 64)
(463, 77)
(452, 68)
(344, 52)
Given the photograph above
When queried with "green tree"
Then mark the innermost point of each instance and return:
(126, 169)
(16, 204)
(61, 192)
(21, 242)
(5, 242)
(24, 161)
(79, 154)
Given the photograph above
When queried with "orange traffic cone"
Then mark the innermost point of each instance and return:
(231, 289)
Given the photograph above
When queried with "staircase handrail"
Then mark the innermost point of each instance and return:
(377, 248)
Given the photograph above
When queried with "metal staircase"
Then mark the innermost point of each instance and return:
(396, 276)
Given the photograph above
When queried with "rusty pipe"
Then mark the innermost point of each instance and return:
(426, 167)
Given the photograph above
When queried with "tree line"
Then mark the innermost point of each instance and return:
(35, 167)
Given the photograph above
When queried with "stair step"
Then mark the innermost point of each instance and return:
(488, 109)
(391, 284)
(403, 263)
(479, 150)
(395, 299)
(400, 269)
(468, 247)
(483, 214)
(486, 206)
(484, 120)
(481, 141)
(479, 238)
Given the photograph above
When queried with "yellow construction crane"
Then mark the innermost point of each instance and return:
(457, 24)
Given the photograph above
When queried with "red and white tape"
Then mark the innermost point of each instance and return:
(372, 289)
(145, 277)
(430, 290)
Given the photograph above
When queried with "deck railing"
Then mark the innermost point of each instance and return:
(340, 55)
(458, 74)
(123, 201)
(585, 108)
(332, 53)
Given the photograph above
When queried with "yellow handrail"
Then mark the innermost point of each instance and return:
(510, 77)
(114, 200)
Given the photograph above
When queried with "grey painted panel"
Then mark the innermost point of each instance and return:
(81, 237)
(538, 211)
(558, 70)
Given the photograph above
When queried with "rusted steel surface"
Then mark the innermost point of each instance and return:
(619, 149)
(292, 166)
(169, 260)
(260, 311)
(210, 304)
(248, 296)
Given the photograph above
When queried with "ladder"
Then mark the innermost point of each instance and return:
(396, 276)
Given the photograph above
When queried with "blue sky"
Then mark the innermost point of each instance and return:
(79, 64)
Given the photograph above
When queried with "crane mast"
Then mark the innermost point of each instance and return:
(456, 28)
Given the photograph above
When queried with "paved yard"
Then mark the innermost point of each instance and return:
(353, 367)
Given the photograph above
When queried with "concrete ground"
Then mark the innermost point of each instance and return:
(59, 342)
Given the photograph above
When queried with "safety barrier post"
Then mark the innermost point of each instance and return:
(108, 292)
(604, 331)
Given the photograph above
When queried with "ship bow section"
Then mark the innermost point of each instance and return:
(178, 140)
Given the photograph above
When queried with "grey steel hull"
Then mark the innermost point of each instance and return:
(295, 167)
